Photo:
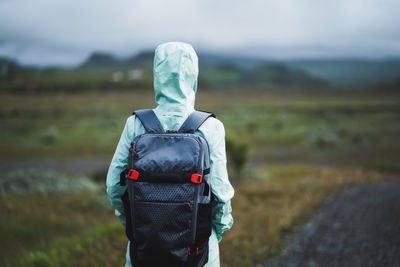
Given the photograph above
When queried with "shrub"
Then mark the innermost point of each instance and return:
(50, 135)
(324, 139)
(99, 176)
(238, 153)
(43, 183)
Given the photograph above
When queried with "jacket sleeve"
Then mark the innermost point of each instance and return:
(220, 186)
(118, 164)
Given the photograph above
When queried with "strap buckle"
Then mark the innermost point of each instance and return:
(196, 178)
(133, 174)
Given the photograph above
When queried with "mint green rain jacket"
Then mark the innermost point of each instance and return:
(175, 85)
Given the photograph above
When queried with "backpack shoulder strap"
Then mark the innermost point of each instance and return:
(149, 120)
(194, 121)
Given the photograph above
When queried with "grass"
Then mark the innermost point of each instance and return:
(57, 125)
(78, 229)
(31, 221)
(98, 245)
(304, 146)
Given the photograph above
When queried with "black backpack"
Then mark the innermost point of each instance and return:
(168, 199)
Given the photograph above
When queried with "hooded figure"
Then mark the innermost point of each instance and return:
(175, 86)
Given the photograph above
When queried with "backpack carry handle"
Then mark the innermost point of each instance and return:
(194, 121)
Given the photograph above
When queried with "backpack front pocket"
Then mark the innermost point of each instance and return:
(162, 228)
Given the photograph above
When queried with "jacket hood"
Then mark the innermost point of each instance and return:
(175, 73)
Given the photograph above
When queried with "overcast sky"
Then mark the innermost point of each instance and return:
(61, 32)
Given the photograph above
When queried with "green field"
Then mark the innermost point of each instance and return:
(332, 124)
(288, 151)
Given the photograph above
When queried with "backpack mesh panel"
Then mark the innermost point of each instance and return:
(163, 192)
(169, 230)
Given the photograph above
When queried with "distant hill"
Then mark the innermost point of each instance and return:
(220, 71)
(100, 61)
(142, 60)
(106, 61)
(258, 76)
(102, 71)
(347, 72)
(8, 67)
(227, 70)
(337, 72)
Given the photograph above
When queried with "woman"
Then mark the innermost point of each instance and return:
(175, 86)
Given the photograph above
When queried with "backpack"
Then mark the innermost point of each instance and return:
(168, 198)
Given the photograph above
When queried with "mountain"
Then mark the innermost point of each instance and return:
(100, 61)
(265, 76)
(337, 72)
(219, 71)
(348, 72)
(227, 70)
(105, 61)
(102, 71)
(8, 67)
(142, 60)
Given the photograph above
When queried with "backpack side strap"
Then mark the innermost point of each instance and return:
(194, 121)
(149, 120)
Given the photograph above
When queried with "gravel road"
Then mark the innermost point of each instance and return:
(359, 227)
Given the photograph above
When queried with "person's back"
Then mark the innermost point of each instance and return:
(175, 85)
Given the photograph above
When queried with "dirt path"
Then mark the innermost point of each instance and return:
(360, 227)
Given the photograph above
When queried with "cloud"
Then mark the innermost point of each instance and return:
(64, 32)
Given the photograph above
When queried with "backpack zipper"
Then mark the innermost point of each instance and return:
(196, 196)
(195, 208)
